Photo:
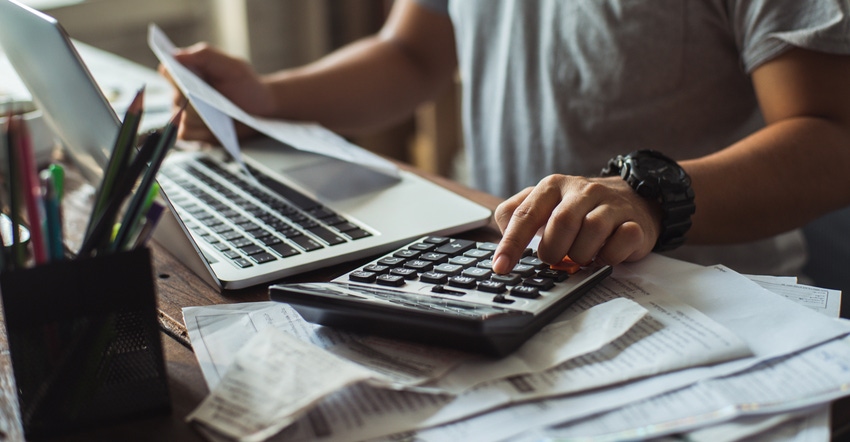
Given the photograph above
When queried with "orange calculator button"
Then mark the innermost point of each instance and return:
(566, 265)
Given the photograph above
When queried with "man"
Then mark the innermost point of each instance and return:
(751, 97)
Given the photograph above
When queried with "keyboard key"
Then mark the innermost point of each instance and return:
(252, 249)
(263, 257)
(240, 242)
(344, 226)
(357, 233)
(326, 235)
(305, 242)
(284, 249)
(242, 263)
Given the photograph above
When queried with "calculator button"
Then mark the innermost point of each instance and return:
(438, 240)
(463, 282)
(566, 265)
(523, 270)
(492, 286)
(419, 265)
(404, 272)
(541, 283)
(534, 262)
(478, 254)
(434, 278)
(477, 273)
(391, 261)
(509, 279)
(366, 277)
(376, 268)
(523, 291)
(485, 264)
(491, 246)
(436, 258)
(462, 260)
(555, 275)
(502, 300)
(456, 247)
(390, 280)
(407, 254)
(449, 269)
(423, 247)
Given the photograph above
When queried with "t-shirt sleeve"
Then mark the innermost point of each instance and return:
(441, 6)
(765, 29)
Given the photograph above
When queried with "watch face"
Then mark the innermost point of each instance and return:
(660, 169)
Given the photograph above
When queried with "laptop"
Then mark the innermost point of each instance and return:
(302, 211)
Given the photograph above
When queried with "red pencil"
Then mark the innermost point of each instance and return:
(31, 190)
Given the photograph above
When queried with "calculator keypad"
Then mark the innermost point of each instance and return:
(459, 268)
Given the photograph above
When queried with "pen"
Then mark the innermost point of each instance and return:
(55, 246)
(151, 220)
(120, 156)
(134, 208)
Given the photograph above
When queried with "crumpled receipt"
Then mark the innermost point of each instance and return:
(273, 380)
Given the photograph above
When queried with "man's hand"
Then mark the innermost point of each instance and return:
(233, 77)
(587, 219)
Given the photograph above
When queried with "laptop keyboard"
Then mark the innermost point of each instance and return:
(250, 224)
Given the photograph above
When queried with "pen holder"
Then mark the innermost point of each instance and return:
(84, 342)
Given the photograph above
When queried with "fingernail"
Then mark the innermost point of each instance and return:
(500, 264)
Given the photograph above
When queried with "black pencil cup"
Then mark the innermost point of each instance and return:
(84, 342)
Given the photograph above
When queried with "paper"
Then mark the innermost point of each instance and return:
(748, 310)
(794, 382)
(824, 301)
(218, 112)
(271, 382)
(218, 332)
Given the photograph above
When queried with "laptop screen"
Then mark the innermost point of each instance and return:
(60, 84)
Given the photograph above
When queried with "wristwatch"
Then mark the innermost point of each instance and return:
(656, 177)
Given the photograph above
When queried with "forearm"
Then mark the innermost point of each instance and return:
(772, 181)
(362, 86)
(377, 80)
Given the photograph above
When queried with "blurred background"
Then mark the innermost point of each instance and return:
(272, 34)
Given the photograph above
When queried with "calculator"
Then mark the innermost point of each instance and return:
(442, 291)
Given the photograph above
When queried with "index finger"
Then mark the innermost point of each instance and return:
(526, 219)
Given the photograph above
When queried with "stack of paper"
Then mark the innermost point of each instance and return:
(660, 347)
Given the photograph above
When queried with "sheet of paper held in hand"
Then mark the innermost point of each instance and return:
(671, 337)
(218, 113)
(818, 375)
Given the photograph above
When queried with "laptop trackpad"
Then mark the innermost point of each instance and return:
(334, 180)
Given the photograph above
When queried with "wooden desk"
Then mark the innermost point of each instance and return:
(177, 287)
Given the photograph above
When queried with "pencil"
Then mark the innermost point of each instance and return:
(120, 157)
(102, 224)
(31, 190)
(134, 208)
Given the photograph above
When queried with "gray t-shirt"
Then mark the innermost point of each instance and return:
(560, 86)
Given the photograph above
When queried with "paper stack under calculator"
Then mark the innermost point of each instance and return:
(660, 347)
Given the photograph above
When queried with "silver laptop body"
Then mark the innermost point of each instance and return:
(259, 233)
